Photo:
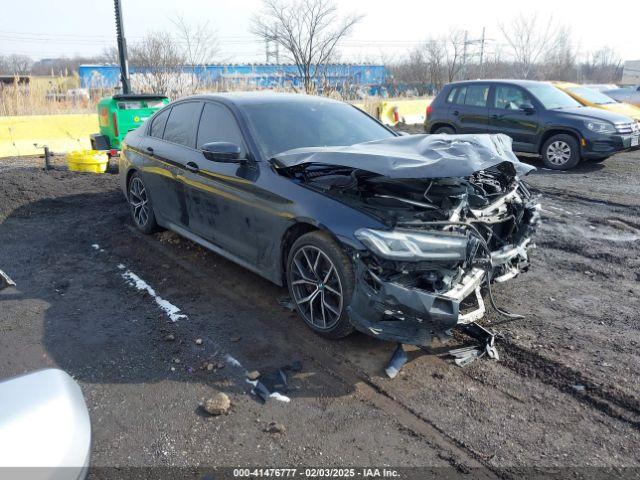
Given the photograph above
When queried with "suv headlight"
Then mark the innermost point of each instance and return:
(412, 246)
(601, 127)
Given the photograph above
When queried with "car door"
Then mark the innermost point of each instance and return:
(167, 158)
(469, 109)
(508, 115)
(224, 199)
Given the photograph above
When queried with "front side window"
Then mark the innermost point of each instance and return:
(509, 98)
(183, 123)
(477, 95)
(218, 125)
(158, 123)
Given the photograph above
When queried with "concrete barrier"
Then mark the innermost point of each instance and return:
(404, 111)
(61, 133)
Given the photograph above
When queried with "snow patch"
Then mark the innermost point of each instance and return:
(134, 280)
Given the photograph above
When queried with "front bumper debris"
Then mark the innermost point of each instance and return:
(391, 311)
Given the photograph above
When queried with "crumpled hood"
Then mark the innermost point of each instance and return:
(413, 156)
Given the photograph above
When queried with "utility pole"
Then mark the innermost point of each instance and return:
(464, 56)
(122, 49)
(482, 53)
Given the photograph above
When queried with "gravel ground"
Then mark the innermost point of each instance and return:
(564, 393)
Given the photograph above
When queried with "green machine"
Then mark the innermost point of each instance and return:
(121, 113)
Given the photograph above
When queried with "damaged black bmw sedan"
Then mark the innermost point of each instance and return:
(396, 236)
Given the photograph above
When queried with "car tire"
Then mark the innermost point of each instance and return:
(320, 275)
(140, 205)
(560, 152)
(444, 131)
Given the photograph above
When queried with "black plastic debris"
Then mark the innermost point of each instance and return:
(398, 359)
(274, 381)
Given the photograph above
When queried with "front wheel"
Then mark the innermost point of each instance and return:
(561, 152)
(320, 280)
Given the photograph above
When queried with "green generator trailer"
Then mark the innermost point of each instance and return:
(121, 113)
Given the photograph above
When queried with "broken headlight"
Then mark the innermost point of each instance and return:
(410, 246)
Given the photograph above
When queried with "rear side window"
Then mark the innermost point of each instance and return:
(183, 123)
(158, 123)
(477, 95)
(452, 95)
(218, 125)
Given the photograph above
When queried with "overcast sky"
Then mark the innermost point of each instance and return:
(48, 28)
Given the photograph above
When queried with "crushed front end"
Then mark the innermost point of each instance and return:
(425, 275)
(457, 218)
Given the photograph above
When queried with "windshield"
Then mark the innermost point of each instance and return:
(279, 127)
(551, 97)
(591, 96)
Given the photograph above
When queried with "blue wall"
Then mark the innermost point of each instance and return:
(258, 75)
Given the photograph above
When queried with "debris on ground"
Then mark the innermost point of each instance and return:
(235, 339)
(5, 281)
(176, 360)
(578, 388)
(276, 428)
(273, 384)
(198, 341)
(398, 359)
(232, 361)
(218, 404)
(466, 355)
(253, 375)
(169, 237)
(170, 337)
(286, 302)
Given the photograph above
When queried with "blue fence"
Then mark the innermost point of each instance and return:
(263, 76)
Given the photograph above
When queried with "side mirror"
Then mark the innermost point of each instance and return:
(527, 107)
(222, 152)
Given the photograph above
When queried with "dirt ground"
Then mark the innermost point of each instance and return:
(563, 398)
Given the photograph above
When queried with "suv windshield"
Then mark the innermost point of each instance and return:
(551, 97)
(279, 127)
(591, 96)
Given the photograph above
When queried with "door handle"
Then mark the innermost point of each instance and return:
(456, 113)
(150, 150)
(192, 167)
(494, 116)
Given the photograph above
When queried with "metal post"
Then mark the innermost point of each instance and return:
(47, 158)
(122, 49)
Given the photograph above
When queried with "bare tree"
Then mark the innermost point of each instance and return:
(453, 53)
(308, 30)
(160, 59)
(529, 40)
(435, 58)
(15, 64)
(198, 42)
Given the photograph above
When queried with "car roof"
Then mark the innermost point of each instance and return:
(521, 83)
(261, 98)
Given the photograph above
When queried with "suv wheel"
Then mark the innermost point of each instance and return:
(320, 280)
(561, 152)
(444, 131)
(140, 205)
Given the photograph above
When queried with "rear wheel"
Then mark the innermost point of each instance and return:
(444, 131)
(320, 280)
(140, 205)
(561, 152)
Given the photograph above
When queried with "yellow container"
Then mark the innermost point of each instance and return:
(87, 161)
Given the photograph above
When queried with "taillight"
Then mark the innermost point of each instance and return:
(396, 115)
(428, 110)
(114, 117)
